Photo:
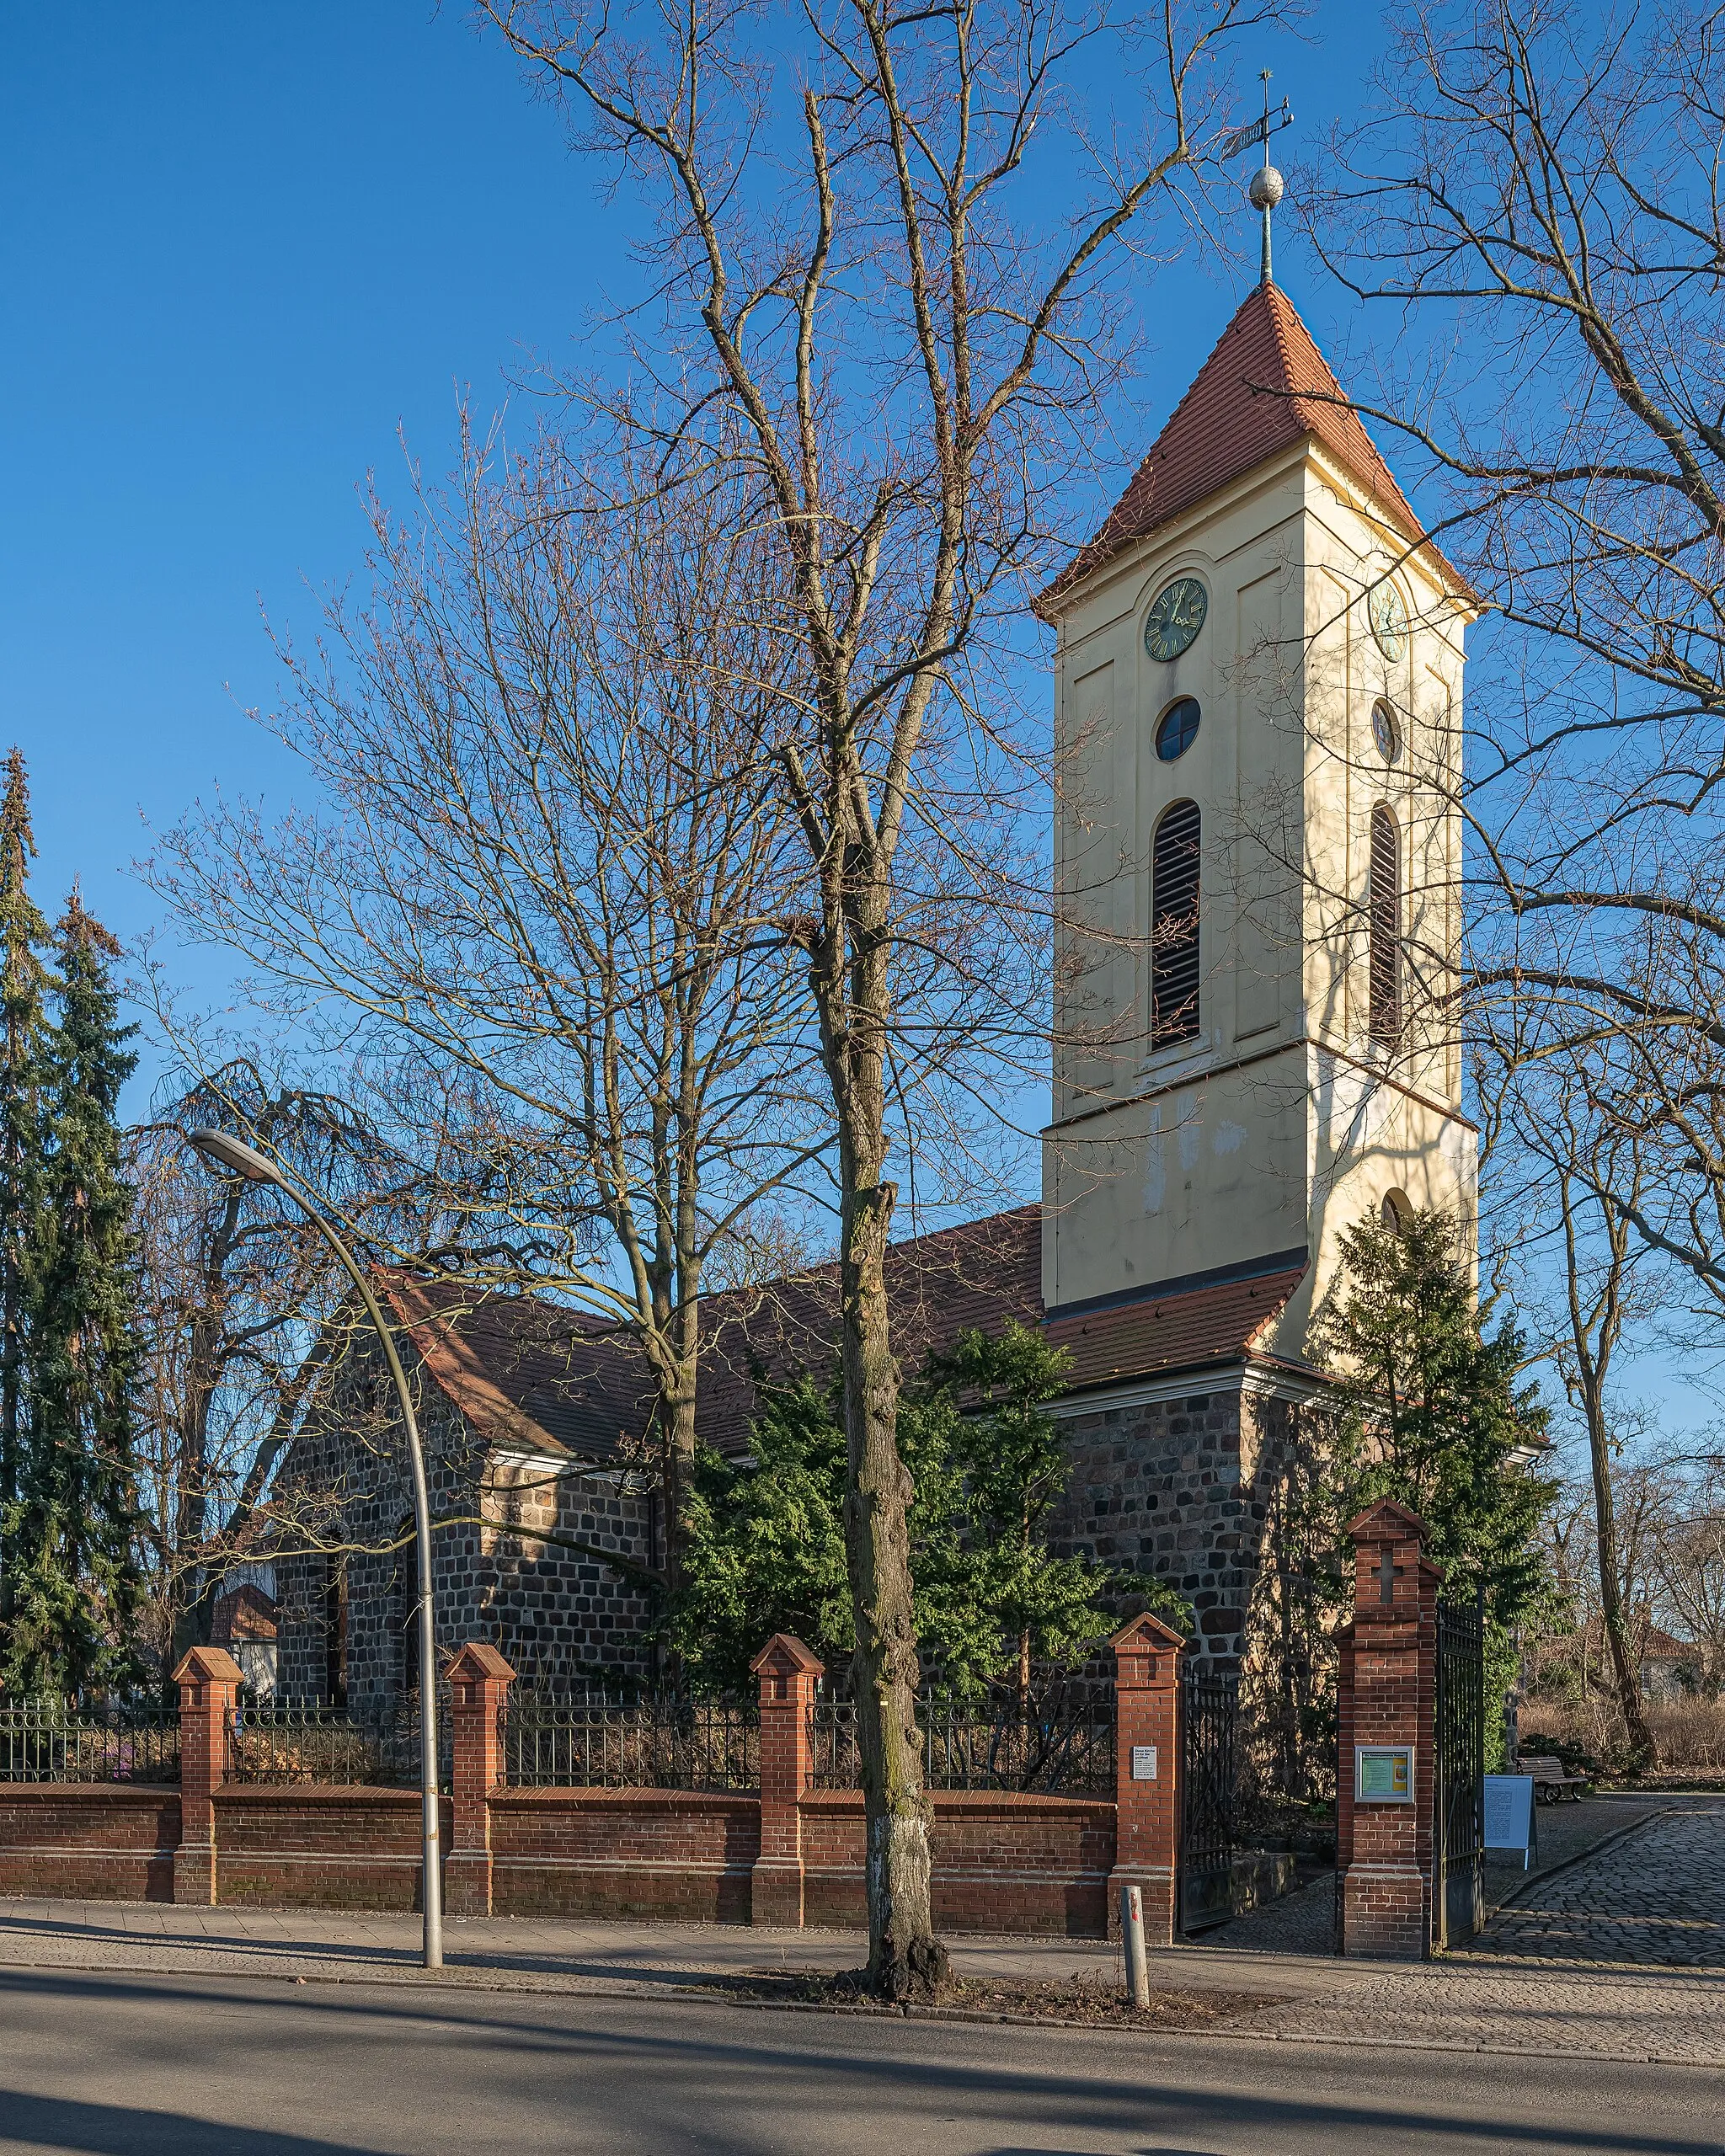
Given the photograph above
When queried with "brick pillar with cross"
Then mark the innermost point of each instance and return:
(788, 1674)
(1147, 1774)
(1386, 1687)
(209, 1680)
(479, 1679)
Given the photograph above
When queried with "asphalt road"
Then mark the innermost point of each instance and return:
(129, 2064)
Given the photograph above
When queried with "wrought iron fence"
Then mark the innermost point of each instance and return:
(594, 1742)
(832, 1743)
(1063, 1744)
(1061, 1753)
(46, 1739)
(1458, 1840)
(1209, 1710)
(308, 1741)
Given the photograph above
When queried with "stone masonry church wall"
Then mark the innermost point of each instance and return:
(560, 1615)
(1169, 1488)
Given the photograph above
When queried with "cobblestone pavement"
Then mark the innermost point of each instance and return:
(1676, 2016)
(1657, 1896)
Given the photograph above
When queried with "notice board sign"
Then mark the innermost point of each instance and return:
(1144, 1763)
(1383, 1774)
(1510, 1815)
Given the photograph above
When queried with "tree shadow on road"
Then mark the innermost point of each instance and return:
(29, 2121)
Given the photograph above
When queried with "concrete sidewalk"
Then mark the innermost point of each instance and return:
(1483, 2004)
(541, 1953)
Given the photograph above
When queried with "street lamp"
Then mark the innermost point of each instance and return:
(243, 1160)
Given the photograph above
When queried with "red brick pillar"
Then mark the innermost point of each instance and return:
(209, 1680)
(479, 1679)
(788, 1671)
(1385, 1695)
(1147, 1774)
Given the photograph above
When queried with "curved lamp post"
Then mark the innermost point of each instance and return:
(243, 1160)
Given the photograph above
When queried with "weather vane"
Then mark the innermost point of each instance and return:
(1268, 185)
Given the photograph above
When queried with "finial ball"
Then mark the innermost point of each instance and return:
(1267, 188)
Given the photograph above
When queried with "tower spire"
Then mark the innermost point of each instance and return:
(1266, 186)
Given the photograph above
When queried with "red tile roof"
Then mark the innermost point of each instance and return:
(1171, 1332)
(532, 1375)
(1262, 390)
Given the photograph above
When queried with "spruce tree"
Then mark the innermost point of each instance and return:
(76, 1587)
(24, 1054)
(1429, 1409)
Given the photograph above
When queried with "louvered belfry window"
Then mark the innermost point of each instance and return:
(1385, 1020)
(1173, 926)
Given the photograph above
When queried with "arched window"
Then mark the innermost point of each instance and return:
(1173, 926)
(407, 1605)
(1385, 1018)
(335, 1629)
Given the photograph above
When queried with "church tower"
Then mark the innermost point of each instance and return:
(1259, 685)
(1257, 864)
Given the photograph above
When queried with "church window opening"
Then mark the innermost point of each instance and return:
(1395, 1212)
(1173, 926)
(1177, 729)
(407, 1604)
(1176, 615)
(335, 1614)
(1384, 730)
(1386, 1014)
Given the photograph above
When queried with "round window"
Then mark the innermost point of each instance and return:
(1385, 731)
(1177, 729)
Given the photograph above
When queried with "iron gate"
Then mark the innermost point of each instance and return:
(1458, 1778)
(1210, 1710)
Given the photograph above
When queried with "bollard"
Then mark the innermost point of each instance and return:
(1132, 1938)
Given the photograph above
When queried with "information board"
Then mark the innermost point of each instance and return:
(1383, 1774)
(1144, 1763)
(1510, 1815)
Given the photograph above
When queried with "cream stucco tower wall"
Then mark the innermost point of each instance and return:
(1283, 1121)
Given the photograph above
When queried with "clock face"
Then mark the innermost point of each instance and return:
(1389, 619)
(1176, 617)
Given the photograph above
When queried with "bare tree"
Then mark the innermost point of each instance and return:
(1538, 188)
(547, 917)
(1589, 1173)
(236, 1304)
(913, 362)
(1687, 1561)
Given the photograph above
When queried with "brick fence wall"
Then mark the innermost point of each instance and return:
(785, 1854)
(98, 1842)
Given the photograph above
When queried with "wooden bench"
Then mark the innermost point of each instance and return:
(1551, 1780)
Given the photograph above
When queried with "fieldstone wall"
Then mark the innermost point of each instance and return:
(559, 1614)
(1182, 1489)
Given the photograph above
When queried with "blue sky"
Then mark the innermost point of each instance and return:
(246, 247)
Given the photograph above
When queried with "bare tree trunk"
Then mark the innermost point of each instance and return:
(1596, 1324)
(1642, 1752)
(905, 1960)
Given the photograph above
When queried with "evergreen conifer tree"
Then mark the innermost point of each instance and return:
(1429, 1409)
(24, 1054)
(76, 1583)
